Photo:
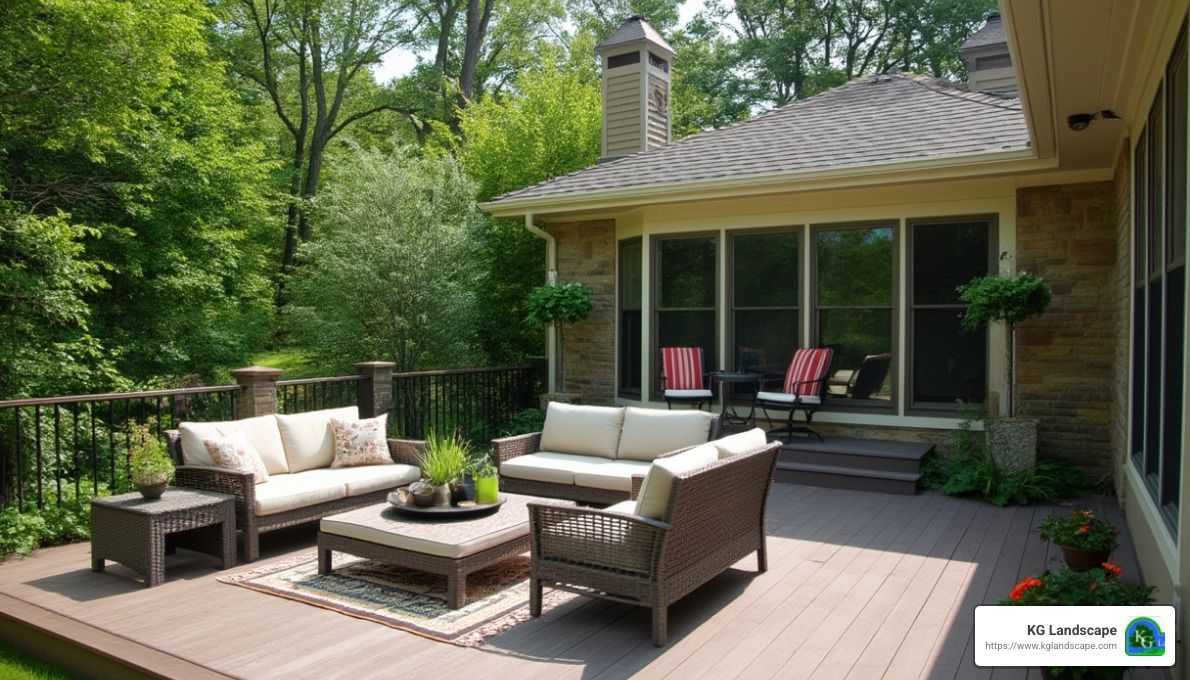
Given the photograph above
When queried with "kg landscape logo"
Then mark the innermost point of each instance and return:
(1143, 637)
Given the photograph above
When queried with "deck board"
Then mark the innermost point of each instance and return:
(860, 585)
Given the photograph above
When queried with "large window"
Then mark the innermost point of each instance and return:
(853, 299)
(1159, 289)
(765, 273)
(631, 293)
(948, 365)
(685, 299)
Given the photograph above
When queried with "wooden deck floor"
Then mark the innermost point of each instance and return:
(860, 585)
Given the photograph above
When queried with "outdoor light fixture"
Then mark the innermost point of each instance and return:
(1080, 121)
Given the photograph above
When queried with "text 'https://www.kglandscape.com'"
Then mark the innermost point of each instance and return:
(1074, 636)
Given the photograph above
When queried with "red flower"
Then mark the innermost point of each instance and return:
(1086, 528)
(1022, 587)
(1112, 569)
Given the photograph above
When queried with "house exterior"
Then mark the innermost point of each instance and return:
(846, 219)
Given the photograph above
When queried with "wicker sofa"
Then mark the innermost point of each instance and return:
(699, 512)
(590, 453)
(297, 451)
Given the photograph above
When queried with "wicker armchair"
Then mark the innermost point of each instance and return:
(715, 517)
(242, 486)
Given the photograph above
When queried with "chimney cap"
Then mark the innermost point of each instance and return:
(635, 29)
(991, 33)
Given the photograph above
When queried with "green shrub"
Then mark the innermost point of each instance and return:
(524, 422)
(58, 523)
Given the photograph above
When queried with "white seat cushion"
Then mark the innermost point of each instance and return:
(688, 394)
(649, 433)
(654, 495)
(741, 443)
(585, 430)
(297, 490)
(809, 399)
(613, 475)
(307, 437)
(261, 432)
(468, 546)
(623, 508)
(368, 478)
(547, 466)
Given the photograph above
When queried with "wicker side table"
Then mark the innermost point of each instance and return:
(133, 531)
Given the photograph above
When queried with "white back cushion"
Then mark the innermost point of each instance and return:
(653, 500)
(585, 430)
(307, 437)
(649, 432)
(741, 443)
(261, 432)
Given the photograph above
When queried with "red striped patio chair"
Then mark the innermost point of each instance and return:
(802, 390)
(682, 376)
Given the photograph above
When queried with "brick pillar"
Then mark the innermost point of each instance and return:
(375, 388)
(258, 393)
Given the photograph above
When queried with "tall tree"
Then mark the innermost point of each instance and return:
(307, 56)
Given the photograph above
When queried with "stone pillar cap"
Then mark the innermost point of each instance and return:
(376, 364)
(257, 372)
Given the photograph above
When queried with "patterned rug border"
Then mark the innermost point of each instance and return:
(473, 636)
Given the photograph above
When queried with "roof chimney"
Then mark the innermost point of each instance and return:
(636, 63)
(989, 64)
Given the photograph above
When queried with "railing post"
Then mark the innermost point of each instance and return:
(258, 391)
(375, 388)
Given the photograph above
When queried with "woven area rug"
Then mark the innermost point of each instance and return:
(497, 597)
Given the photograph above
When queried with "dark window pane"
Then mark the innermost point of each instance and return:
(689, 329)
(949, 364)
(1175, 362)
(1156, 184)
(630, 337)
(630, 275)
(946, 256)
(1140, 211)
(1176, 84)
(1153, 382)
(855, 266)
(686, 272)
(765, 270)
(856, 335)
(1138, 372)
(765, 340)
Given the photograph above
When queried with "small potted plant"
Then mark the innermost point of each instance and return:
(444, 463)
(1099, 586)
(555, 305)
(1009, 299)
(150, 466)
(1086, 540)
(487, 483)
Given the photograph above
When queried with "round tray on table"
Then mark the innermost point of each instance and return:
(444, 511)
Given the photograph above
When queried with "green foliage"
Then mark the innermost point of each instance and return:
(1099, 587)
(525, 421)
(1010, 299)
(392, 275)
(560, 303)
(56, 524)
(1080, 529)
(148, 460)
(965, 467)
(446, 459)
(15, 665)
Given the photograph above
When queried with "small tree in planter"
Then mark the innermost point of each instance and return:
(1010, 299)
(557, 304)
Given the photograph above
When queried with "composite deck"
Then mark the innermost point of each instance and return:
(860, 585)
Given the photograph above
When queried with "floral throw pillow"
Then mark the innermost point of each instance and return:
(234, 452)
(360, 442)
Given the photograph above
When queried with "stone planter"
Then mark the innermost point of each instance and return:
(1012, 443)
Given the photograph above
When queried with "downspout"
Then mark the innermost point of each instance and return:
(551, 266)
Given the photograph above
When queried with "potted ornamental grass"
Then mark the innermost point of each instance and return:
(1086, 540)
(150, 467)
(444, 463)
(1009, 299)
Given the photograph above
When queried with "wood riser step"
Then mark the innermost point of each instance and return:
(846, 460)
(848, 478)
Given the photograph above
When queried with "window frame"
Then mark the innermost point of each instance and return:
(812, 313)
(710, 355)
(941, 408)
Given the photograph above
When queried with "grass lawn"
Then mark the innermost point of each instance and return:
(15, 665)
(295, 364)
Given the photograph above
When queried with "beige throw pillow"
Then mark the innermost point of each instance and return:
(360, 442)
(741, 443)
(234, 452)
(654, 493)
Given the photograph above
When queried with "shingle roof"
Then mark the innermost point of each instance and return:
(992, 33)
(634, 29)
(893, 118)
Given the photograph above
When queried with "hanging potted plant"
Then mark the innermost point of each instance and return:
(150, 466)
(1008, 299)
(555, 305)
(1086, 540)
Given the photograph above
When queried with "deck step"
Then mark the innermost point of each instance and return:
(848, 478)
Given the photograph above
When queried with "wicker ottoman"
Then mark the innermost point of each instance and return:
(452, 548)
(133, 531)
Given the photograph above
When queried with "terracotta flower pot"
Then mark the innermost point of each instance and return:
(1079, 559)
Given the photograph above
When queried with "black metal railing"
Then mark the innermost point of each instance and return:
(474, 402)
(58, 446)
(313, 394)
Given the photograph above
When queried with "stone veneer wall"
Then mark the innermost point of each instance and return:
(1121, 296)
(1066, 358)
(587, 253)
